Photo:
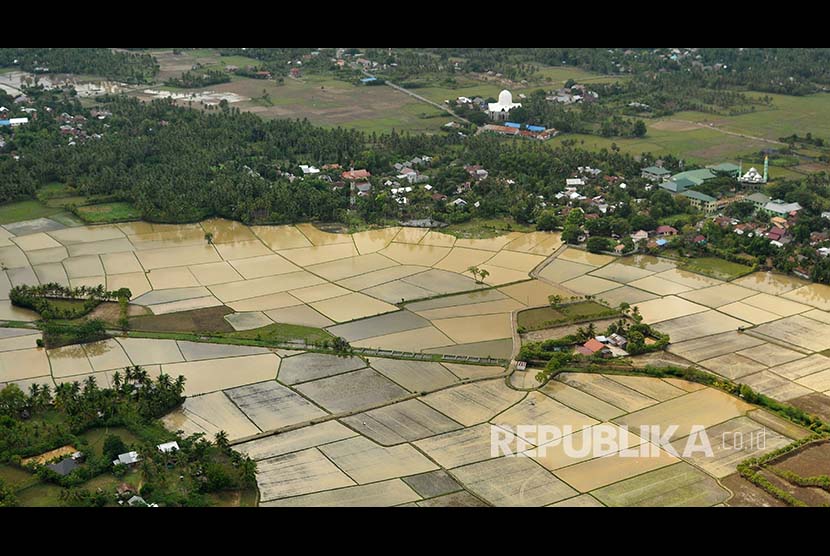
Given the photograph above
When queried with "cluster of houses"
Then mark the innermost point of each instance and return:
(572, 95)
(604, 346)
(73, 126)
(6, 119)
(518, 130)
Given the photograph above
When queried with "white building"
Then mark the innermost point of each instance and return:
(501, 109)
(168, 447)
(309, 169)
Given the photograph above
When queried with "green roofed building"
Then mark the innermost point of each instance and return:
(701, 201)
(697, 177)
(678, 185)
(732, 169)
(655, 173)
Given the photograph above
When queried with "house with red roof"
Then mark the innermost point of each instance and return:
(353, 175)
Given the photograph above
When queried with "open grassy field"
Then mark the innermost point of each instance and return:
(545, 317)
(558, 75)
(716, 268)
(26, 210)
(108, 212)
(329, 102)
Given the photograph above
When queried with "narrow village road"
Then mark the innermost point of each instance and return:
(733, 133)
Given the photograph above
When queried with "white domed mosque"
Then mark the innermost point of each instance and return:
(499, 110)
(753, 177)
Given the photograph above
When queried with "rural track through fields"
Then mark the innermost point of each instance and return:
(733, 133)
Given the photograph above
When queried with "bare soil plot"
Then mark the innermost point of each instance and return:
(455, 500)
(607, 390)
(68, 361)
(177, 277)
(714, 346)
(218, 374)
(386, 493)
(621, 273)
(689, 279)
(802, 367)
(732, 365)
(660, 286)
(707, 407)
(351, 307)
(489, 244)
(199, 351)
(581, 401)
(415, 376)
(372, 241)
(391, 323)
(398, 291)
(84, 266)
(121, 263)
(51, 455)
(294, 441)
(299, 314)
(298, 473)
(584, 257)
(776, 304)
(731, 443)
(626, 294)
(199, 320)
(265, 302)
(560, 270)
(378, 277)
(716, 296)
(513, 482)
(599, 472)
(367, 462)
(774, 386)
(352, 266)
(771, 355)
(533, 292)
(474, 371)
(442, 282)
(698, 325)
(459, 259)
(798, 331)
(500, 349)
(51, 273)
(819, 381)
(748, 313)
(769, 282)
(590, 285)
(655, 388)
(433, 483)
(476, 328)
(401, 422)
(672, 486)
(106, 355)
(272, 406)
(311, 366)
(470, 404)
(23, 364)
(258, 267)
(210, 414)
(44, 256)
(136, 282)
(817, 295)
(584, 445)
(246, 289)
(354, 391)
(474, 297)
(747, 495)
(461, 447)
(539, 409)
(581, 501)
(281, 237)
(417, 340)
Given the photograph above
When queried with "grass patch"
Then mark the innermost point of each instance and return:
(26, 210)
(279, 333)
(546, 317)
(481, 228)
(40, 495)
(197, 321)
(15, 478)
(716, 268)
(108, 212)
(96, 437)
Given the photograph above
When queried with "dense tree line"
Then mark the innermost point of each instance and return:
(198, 79)
(122, 66)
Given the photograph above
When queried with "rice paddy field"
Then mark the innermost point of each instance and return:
(381, 430)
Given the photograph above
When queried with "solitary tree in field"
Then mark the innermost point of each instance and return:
(478, 273)
(209, 238)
